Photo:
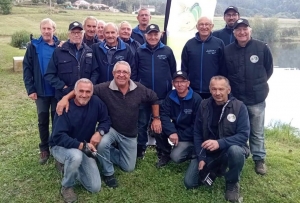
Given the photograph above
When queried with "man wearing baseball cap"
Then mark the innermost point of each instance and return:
(70, 62)
(177, 115)
(231, 15)
(155, 64)
(249, 65)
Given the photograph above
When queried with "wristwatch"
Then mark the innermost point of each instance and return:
(101, 132)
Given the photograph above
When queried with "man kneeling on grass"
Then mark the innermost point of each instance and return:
(74, 139)
(122, 97)
(220, 137)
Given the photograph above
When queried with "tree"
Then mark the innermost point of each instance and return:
(5, 6)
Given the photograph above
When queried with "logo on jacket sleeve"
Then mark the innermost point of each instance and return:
(254, 58)
(231, 117)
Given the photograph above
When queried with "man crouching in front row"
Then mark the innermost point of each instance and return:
(220, 138)
(74, 139)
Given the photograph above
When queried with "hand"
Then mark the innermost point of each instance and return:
(156, 126)
(174, 138)
(61, 105)
(201, 165)
(96, 139)
(33, 96)
(210, 145)
(88, 149)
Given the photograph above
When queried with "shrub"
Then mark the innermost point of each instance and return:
(62, 36)
(20, 38)
(5, 6)
(265, 29)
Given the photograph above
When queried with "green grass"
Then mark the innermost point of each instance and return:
(23, 180)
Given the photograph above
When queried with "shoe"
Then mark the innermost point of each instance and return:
(59, 166)
(110, 181)
(68, 194)
(44, 156)
(260, 167)
(140, 153)
(232, 193)
(164, 160)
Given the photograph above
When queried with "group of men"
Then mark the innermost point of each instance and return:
(112, 87)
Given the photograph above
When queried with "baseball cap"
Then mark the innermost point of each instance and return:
(241, 21)
(231, 8)
(74, 25)
(152, 27)
(180, 74)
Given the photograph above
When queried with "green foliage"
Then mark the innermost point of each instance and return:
(5, 6)
(264, 29)
(20, 38)
(62, 36)
(35, 1)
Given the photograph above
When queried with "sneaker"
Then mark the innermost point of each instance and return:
(68, 194)
(232, 193)
(59, 166)
(110, 181)
(164, 159)
(260, 167)
(44, 156)
(140, 153)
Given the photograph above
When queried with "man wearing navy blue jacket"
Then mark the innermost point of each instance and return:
(70, 62)
(231, 15)
(35, 65)
(73, 132)
(177, 115)
(138, 33)
(221, 133)
(110, 51)
(155, 63)
(202, 57)
(125, 31)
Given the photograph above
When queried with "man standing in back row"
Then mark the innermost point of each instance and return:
(249, 65)
(138, 33)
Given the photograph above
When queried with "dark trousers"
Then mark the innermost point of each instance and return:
(145, 113)
(43, 105)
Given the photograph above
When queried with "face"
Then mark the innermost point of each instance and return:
(47, 32)
(75, 36)
(90, 27)
(153, 38)
(181, 85)
(125, 31)
(242, 33)
(204, 27)
(110, 35)
(83, 93)
(144, 18)
(100, 28)
(121, 75)
(219, 91)
(231, 17)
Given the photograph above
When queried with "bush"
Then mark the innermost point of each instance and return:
(62, 36)
(20, 38)
(5, 6)
(264, 29)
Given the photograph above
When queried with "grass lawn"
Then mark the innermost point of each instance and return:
(22, 179)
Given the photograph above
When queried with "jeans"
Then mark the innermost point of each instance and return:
(232, 158)
(78, 166)
(124, 157)
(43, 105)
(145, 112)
(257, 138)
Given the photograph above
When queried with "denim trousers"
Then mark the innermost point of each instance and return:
(232, 158)
(124, 157)
(78, 166)
(145, 112)
(257, 138)
(43, 105)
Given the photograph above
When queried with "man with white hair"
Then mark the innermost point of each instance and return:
(35, 65)
(249, 66)
(110, 51)
(125, 31)
(90, 31)
(202, 57)
(100, 28)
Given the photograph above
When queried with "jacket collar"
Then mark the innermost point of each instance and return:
(197, 37)
(113, 85)
(174, 96)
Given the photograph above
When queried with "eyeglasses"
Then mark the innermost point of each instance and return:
(204, 25)
(231, 15)
(119, 72)
(76, 33)
(180, 82)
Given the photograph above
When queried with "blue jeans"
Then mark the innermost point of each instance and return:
(182, 152)
(44, 105)
(232, 158)
(257, 138)
(145, 112)
(78, 166)
(124, 157)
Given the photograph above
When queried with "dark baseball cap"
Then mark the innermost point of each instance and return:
(241, 21)
(231, 8)
(74, 25)
(180, 74)
(152, 27)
